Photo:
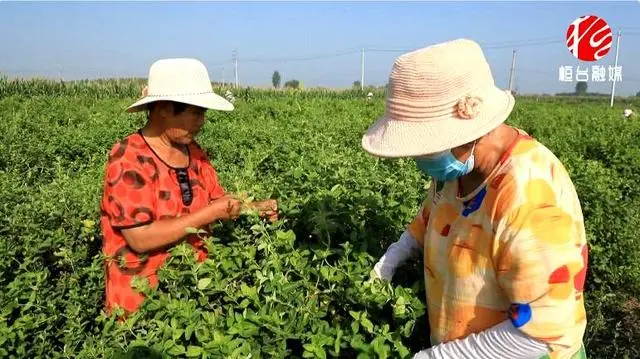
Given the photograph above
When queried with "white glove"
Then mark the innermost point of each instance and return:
(397, 253)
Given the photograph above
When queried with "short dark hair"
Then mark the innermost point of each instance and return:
(178, 107)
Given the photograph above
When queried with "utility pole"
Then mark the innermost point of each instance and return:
(235, 67)
(362, 70)
(615, 66)
(513, 66)
(223, 79)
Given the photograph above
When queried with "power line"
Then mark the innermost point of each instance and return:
(303, 58)
(220, 63)
(548, 38)
(524, 45)
(493, 46)
(539, 72)
(488, 46)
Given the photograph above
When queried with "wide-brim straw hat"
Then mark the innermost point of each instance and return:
(181, 80)
(439, 97)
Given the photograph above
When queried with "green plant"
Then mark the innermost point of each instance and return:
(297, 288)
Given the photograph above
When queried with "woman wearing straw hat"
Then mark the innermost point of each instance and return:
(501, 229)
(159, 181)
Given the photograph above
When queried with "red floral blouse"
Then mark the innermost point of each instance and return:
(140, 188)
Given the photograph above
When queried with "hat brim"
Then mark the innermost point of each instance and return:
(395, 139)
(210, 101)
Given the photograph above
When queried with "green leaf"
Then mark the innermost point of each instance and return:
(176, 350)
(153, 306)
(407, 328)
(402, 350)
(324, 271)
(138, 343)
(188, 331)
(218, 336)
(193, 351)
(366, 323)
(248, 291)
(320, 352)
(355, 326)
(380, 348)
(168, 345)
(314, 351)
(308, 353)
(286, 236)
(399, 308)
(245, 303)
(204, 283)
(177, 333)
(337, 342)
(202, 334)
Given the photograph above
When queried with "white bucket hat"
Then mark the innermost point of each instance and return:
(440, 97)
(180, 80)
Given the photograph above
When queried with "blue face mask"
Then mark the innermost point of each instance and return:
(445, 166)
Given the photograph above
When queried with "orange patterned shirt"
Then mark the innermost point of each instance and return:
(140, 188)
(513, 248)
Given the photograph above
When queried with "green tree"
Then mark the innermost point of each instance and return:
(356, 84)
(294, 84)
(581, 88)
(275, 79)
(638, 94)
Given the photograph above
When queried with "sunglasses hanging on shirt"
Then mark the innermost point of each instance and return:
(185, 186)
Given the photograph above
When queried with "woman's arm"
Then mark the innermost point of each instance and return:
(161, 233)
(503, 341)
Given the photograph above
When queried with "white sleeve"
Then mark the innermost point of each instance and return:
(503, 341)
(397, 253)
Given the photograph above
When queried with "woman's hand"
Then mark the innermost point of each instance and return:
(267, 209)
(226, 208)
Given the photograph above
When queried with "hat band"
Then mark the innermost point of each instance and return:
(407, 109)
(181, 94)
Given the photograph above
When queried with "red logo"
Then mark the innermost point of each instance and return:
(589, 38)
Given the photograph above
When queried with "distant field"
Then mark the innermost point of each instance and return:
(294, 289)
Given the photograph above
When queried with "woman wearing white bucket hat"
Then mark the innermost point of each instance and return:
(501, 229)
(159, 181)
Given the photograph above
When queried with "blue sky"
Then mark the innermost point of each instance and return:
(106, 39)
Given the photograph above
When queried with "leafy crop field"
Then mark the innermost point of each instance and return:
(298, 288)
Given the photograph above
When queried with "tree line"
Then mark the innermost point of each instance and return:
(276, 79)
(580, 90)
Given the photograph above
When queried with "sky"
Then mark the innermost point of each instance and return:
(73, 40)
